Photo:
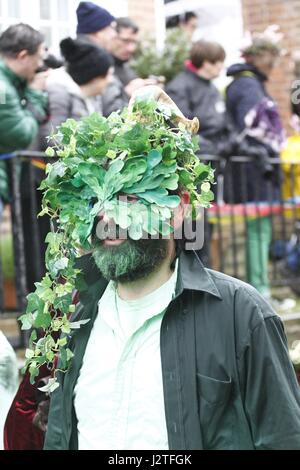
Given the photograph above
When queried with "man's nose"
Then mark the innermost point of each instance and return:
(103, 217)
(131, 47)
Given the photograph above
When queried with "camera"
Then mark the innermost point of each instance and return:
(50, 62)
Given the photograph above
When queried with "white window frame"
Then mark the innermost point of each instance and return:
(30, 13)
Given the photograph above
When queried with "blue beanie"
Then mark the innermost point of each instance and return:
(92, 18)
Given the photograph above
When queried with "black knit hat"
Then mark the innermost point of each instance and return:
(85, 61)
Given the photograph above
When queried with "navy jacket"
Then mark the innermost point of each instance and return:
(259, 178)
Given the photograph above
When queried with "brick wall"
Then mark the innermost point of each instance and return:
(143, 12)
(257, 15)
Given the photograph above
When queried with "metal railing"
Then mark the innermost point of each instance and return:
(274, 196)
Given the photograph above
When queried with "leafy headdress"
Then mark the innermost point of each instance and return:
(148, 151)
(267, 41)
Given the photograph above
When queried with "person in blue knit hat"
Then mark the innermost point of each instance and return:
(96, 23)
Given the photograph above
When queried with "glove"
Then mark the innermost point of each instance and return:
(228, 146)
(260, 157)
(40, 419)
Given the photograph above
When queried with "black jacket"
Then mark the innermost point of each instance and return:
(197, 97)
(228, 381)
(123, 71)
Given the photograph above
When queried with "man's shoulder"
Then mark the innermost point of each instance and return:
(244, 298)
(7, 83)
(183, 78)
(243, 84)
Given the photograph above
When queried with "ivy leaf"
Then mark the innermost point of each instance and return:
(51, 386)
(27, 321)
(35, 303)
(29, 353)
(77, 324)
(185, 177)
(56, 169)
(50, 152)
(33, 371)
(33, 337)
(60, 264)
(63, 303)
(42, 320)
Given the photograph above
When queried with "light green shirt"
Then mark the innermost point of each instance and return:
(119, 399)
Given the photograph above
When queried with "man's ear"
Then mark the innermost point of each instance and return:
(22, 54)
(181, 210)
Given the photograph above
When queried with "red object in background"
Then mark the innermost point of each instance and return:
(19, 432)
(190, 66)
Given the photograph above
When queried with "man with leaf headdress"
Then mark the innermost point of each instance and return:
(160, 352)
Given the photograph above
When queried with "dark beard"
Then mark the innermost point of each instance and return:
(130, 261)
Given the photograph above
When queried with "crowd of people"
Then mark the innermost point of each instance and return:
(220, 378)
(97, 77)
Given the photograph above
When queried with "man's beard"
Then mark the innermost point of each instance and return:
(130, 261)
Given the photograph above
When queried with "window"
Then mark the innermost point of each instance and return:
(63, 10)
(45, 9)
(63, 33)
(47, 31)
(14, 8)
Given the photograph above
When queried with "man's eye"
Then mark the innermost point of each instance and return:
(132, 199)
(128, 198)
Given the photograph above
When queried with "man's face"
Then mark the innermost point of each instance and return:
(213, 69)
(265, 62)
(121, 259)
(98, 84)
(105, 36)
(124, 44)
(28, 64)
(190, 26)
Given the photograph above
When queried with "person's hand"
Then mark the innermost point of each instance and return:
(39, 81)
(138, 83)
(40, 419)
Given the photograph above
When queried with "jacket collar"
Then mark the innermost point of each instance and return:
(191, 70)
(12, 76)
(192, 275)
(237, 69)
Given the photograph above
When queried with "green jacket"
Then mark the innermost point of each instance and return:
(227, 377)
(21, 111)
